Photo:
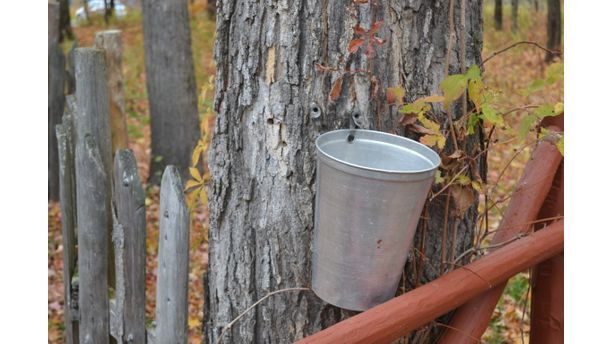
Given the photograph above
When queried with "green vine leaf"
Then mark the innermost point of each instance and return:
(453, 87)
(491, 116)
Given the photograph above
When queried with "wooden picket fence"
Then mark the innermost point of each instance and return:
(103, 227)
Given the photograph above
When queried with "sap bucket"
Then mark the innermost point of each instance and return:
(371, 188)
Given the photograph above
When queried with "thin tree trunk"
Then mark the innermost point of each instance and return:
(55, 102)
(536, 5)
(553, 28)
(110, 41)
(65, 29)
(515, 5)
(272, 104)
(499, 8)
(170, 85)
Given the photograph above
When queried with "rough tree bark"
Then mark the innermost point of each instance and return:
(272, 104)
(499, 8)
(170, 85)
(553, 28)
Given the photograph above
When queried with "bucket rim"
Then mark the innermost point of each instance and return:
(435, 162)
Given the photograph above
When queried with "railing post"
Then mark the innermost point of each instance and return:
(173, 260)
(547, 278)
(471, 320)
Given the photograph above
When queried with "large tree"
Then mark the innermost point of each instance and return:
(277, 89)
(171, 85)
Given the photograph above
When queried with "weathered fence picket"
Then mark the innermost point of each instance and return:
(173, 260)
(55, 105)
(92, 117)
(67, 195)
(88, 183)
(110, 42)
(129, 239)
(92, 222)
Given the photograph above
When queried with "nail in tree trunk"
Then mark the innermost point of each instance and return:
(553, 28)
(515, 5)
(55, 105)
(170, 85)
(499, 14)
(110, 42)
(272, 104)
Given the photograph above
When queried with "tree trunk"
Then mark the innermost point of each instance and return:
(110, 41)
(272, 103)
(65, 29)
(553, 28)
(55, 101)
(170, 85)
(536, 5)
(515, 5)
(499, 5)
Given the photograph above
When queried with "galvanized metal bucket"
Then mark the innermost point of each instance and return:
(371, 188)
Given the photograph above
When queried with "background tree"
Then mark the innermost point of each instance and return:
(499, 9)
(273, 101)
(515, 5)
(170, 85)
(553, 28)
(109, 9)
(65, 30)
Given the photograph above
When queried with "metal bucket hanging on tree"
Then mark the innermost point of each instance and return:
(371, 188)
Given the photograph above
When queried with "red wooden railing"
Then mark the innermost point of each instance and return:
(476, 287)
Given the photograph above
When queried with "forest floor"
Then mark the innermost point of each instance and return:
(509, 73)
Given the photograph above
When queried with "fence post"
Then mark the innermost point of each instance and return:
(110, 42)
(173, 261)
(129, 238)
(92, 118)
(55, 105)
(67, 195)
(92, 223)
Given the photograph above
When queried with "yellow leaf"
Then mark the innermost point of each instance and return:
(476, 186)
(433, 99)
(429, 124)
(463, 180)
(441, 141)
(193, 323)
(197, 152)
(203, 196)
(558, 107)
(192, 183)
(434, 140)
(195, 174)
(475, 91)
